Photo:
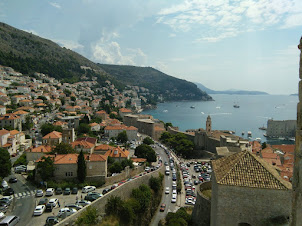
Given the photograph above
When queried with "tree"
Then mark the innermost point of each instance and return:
(127, 162)
(264, 145)
(113, 205)
(63, 148)
(155, 183)
(165, 136)
(116, 167)
(73, 98)
(148, 140)
(145, 151)
(48, 128)
(143, 195)
(168, 124)
(83, 128)
(89, 217)
(46, 168)
(122, 137)
(85, 119)
(21, 160)
(5, 163)
(28, 123)
(81, 171)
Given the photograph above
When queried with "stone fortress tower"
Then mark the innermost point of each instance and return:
(296, 218)
(209, 124)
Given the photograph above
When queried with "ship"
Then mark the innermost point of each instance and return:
(192, 107)
(236, 106)
(249, 133)
(262, 128)
(242, 133)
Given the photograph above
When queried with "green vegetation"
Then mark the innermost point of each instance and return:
(5, 163)
(264, 145)
(81, 171)
(145, 151)
(63, 148)
(48, 128)
(88, 217)
(179, 143)
(148, 141)
(122, 137)
(180, 218)
(28, 123)
(46, 168)
(83, 128)
(117, 167)
(21, 160)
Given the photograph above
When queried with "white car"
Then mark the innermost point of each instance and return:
(66, 212)
(39, 193)
(167, 191)
(88, 189)
(173, 200)
(39, 210)
(53, 202)
(82, 202)
(174, 191)
(49, 191)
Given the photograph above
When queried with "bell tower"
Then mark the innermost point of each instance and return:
(209, 124)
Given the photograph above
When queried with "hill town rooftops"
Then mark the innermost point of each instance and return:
(53, 135)
(247, 170)
(9, 116)
(3, 132)
(41, 149)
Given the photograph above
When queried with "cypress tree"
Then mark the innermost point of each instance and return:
(81, 167)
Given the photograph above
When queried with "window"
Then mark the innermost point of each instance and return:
(69, 174)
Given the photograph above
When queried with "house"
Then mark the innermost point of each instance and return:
(52, 138)
(113, 131)
(61, 123)
(118, 154)
(25, 103)
(66, 166)
(33, 154)
(4, 100)
(37, 101)
(124, 111)
(83, 145)
(22, 114)
(101, 114)
(103, 148)
(4, 134)
(11, 120)
(2, 110)
(95, 126)
(247, 191)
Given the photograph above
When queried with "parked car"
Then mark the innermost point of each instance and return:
(3, 208)
(39, 210)
(66, 212)
(10, 220)
(162, 207)
(82, 202)
(48, 207)
(173, 200)
(43, 201)
(4, 184)
(12, 180)
(52, 220)
(67, 191)
(59, 191)
(74, 190)
(8, 199)
(106, 190)
(49, 191)
(20, 169)
(88, 189)
(92, 196)
(8, 191)
(167, 191)
(74, 206)
(39, 193)
(54, 202)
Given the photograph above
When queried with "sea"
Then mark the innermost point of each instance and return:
(253, 113)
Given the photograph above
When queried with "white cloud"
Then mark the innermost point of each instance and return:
(56, 5)
(221, 19)
(108, 50)
(31, 31)
(69, 44)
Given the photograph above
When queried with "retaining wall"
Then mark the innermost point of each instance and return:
(123, 191)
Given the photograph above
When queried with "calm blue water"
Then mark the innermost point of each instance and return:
(253, 113)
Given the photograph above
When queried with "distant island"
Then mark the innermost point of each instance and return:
(230, 91)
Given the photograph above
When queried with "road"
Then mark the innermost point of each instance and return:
(166, 198)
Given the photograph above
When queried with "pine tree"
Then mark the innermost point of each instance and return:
(81, 167)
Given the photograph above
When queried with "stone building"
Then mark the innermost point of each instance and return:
(11, 120)
(247, 191)
(284, 128)
(52, 138)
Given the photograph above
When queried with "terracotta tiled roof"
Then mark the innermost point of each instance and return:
(20, 112)
(3, 132)
(9, 116)
(96, 158)
(59, 123)
(93, 124)
(104, 147)
(53, 135)
(247, 170)
(91, 140)
(14, 132)
(287, 148)
(42, 149)
(73, 158)
(131, 128)
(117, 152)
(125, 110)
(82, 143)
(120, 127)
(101, 112)
(138, 160)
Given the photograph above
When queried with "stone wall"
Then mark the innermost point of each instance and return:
(123, 191)
(284, 128)
(247, 205)
(176, 131)
(201, 215)
(124, 174)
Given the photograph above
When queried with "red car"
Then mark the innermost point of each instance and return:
(162, 207)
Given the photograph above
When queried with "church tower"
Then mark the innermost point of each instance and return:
(209, 124)
(296, 217)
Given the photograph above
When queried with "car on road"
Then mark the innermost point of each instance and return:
(66, 191)
(82, 202)
(74, 206)
(12, 180)
(66, 212)
(39, 193)
(51, 220)
(20, 169)
(49, 191)
(53, 202)
(167, 191)
(173, 200)
(39, 210)
(8, 191)
(162, 207)
(74, 190)
(59, 191)
(43, 201)
(48, 207)
(174, 191)
(87, 189)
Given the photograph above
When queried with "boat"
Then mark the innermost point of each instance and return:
(165, 110)
(292, 139)
(192, 107)
(249, 133)
(258, 139)
(262, 128)
(265, 135)
(242, 133)
(236, 106)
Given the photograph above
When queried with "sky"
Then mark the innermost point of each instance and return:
(222, 44)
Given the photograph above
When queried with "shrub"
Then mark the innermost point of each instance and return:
(89, 217)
